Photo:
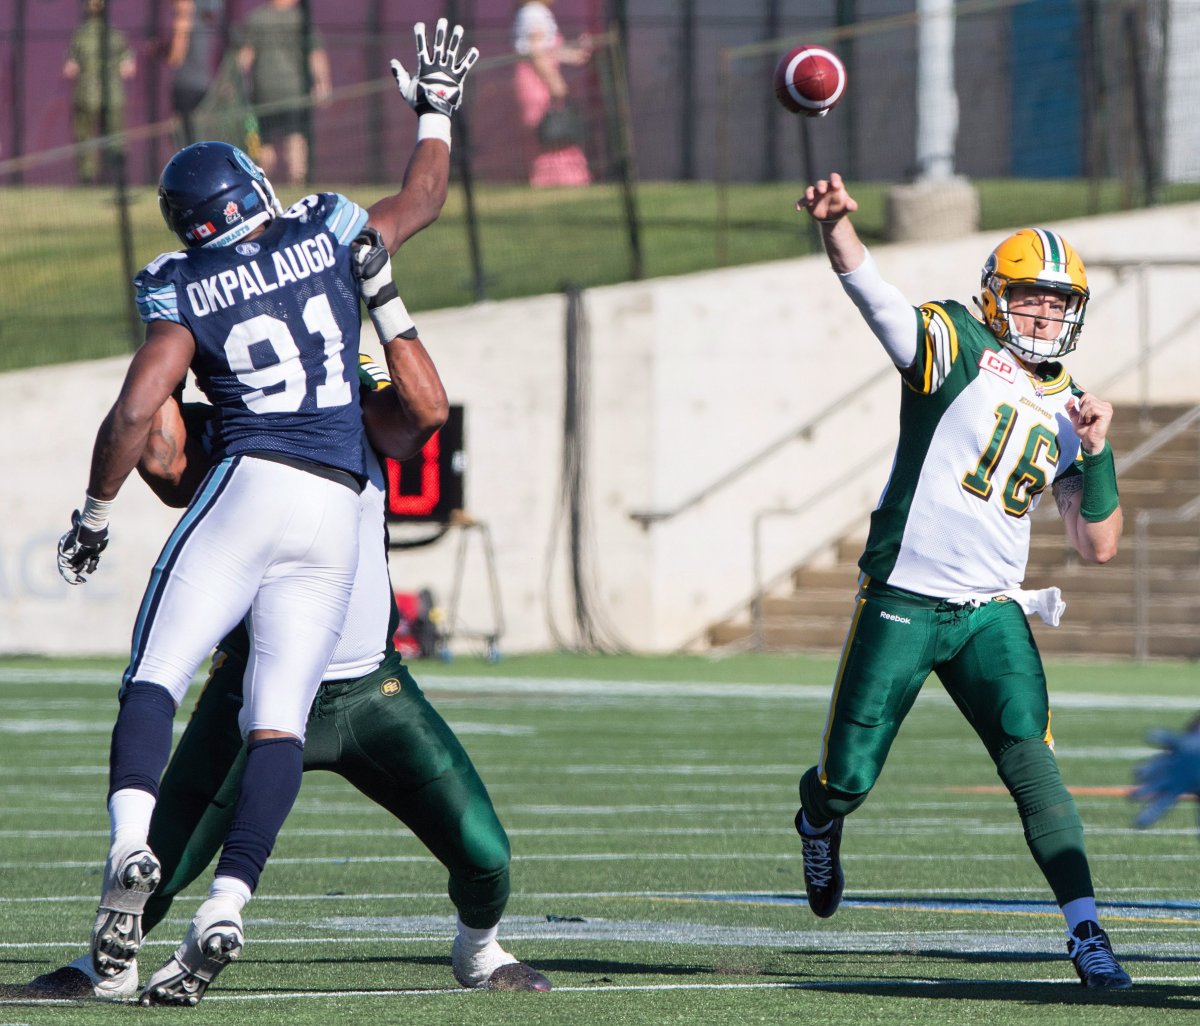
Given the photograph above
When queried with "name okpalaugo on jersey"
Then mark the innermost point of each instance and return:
(276, 321)
(286, 267)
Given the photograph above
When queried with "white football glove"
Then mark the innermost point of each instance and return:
(437, 85)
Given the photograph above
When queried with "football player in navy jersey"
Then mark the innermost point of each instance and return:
(262, 305)
(370, 722)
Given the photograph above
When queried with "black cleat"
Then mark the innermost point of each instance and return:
(80, 980)
(493, 968)
(1094, 960)
(517, 976)
(823, 877)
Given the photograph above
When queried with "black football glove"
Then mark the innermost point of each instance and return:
(79, 551)
(437, 85)
(372, 266)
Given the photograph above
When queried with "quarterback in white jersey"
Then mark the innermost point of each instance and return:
(988, 420)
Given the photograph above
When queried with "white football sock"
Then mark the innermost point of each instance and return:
(129, 812)
(230, 892)
(1078, 911)
(472, 939)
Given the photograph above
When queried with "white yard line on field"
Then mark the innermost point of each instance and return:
(557, 687)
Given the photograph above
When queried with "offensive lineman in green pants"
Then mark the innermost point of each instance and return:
(369, 723)
(988, 420)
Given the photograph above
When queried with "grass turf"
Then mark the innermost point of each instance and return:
(656, 874)
(66, 282)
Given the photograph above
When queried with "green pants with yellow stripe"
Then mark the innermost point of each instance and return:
(986, 659)
(381, 734)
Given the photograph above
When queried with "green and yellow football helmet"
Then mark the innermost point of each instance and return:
(1040, 259)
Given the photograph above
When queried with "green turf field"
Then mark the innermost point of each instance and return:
(68, 294)
(656, 873)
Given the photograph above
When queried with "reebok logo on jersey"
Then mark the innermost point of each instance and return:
(892, 616)
(999, 364)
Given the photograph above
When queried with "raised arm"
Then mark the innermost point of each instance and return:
(434, 92)
(830, 204)
(891, 318)
(401, 419)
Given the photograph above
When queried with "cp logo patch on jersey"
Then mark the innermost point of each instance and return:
(1000, 364)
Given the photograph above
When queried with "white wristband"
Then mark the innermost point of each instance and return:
(94, 515)
(391, 319)
(434, 126)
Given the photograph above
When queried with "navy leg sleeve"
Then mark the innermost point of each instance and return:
(141, 738)
(270, 784)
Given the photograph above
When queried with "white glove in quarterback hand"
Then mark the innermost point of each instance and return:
(1166, 777)
(436, 88)
(79, 551)
(372, 268)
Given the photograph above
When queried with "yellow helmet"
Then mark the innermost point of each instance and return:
(1041, 259)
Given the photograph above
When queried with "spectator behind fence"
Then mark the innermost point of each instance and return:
(542, 99)
(190, 54)
(281, 55)
(97, 106)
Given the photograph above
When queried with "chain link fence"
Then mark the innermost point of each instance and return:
(1066, 107)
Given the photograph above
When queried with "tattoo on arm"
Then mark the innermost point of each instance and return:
(1065, 492)
(163, 453)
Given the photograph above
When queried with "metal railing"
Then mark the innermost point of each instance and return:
(1141, 578)
(1145, 519)
(1145, 353)
(1146, 349)
(761, 584)
(802, 432)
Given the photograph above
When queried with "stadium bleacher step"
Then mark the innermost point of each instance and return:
(1101, 601)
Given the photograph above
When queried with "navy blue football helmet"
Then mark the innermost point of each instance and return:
(212, 194)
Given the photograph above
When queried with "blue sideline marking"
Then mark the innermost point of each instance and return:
(1189, 909)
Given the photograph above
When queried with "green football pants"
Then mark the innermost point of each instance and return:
(381, 734)
(986, 659)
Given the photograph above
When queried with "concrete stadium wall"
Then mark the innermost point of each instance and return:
(688, 376)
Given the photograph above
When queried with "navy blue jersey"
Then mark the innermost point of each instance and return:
(276, 322)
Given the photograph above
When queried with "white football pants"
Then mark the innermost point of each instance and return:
(261, 537)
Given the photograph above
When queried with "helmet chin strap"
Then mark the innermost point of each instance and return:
(241, 231)
(1029, 348)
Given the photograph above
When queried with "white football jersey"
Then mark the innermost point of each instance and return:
(980, 439)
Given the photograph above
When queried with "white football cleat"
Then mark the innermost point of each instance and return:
(493, 968)
(130, 877)
(213, 940)
(80, 980)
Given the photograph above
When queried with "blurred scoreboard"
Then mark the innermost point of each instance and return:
(428, 488)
